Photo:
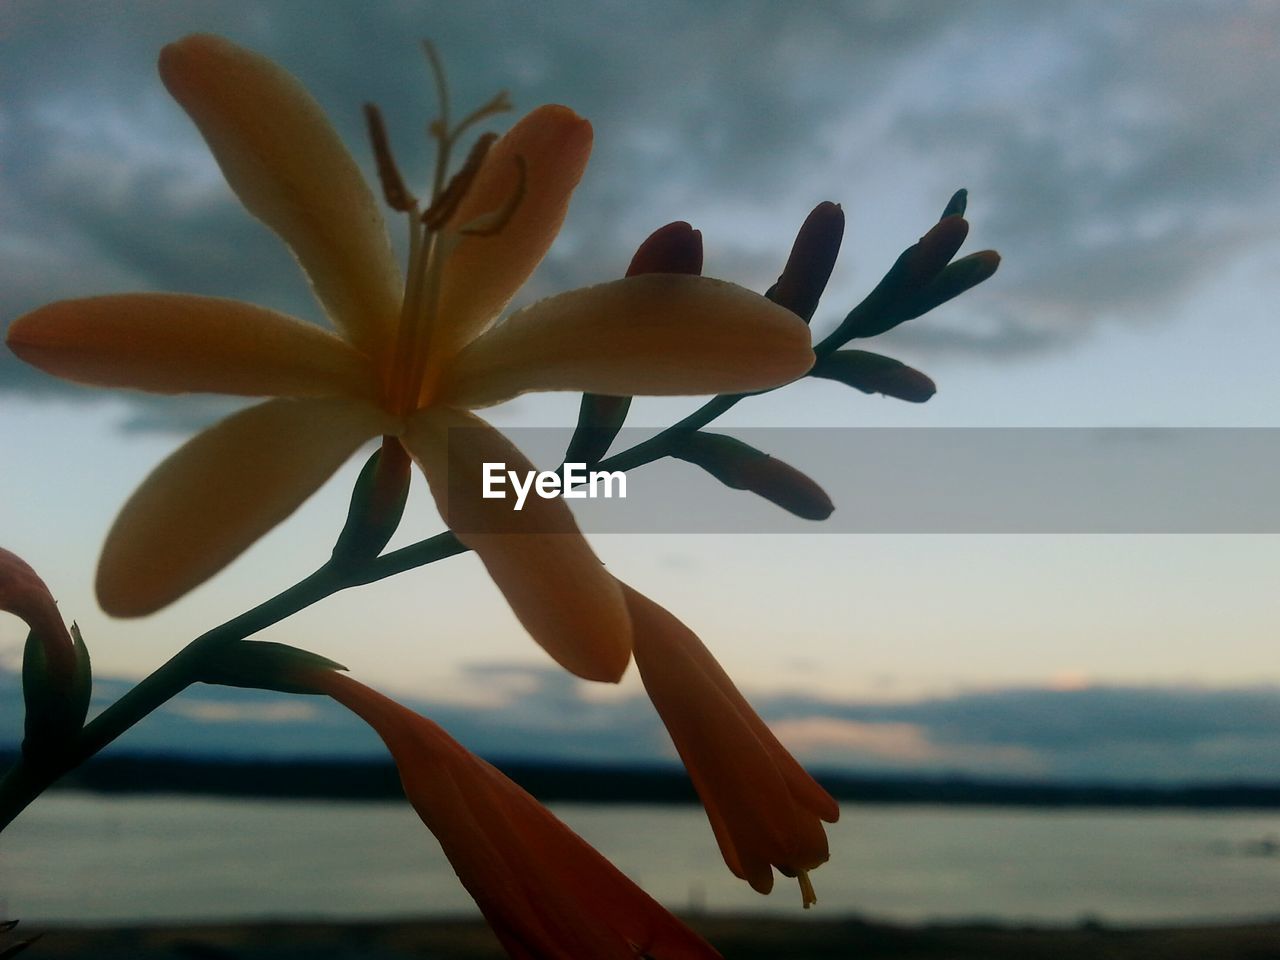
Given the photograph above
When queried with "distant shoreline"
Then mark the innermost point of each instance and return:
(575, 782)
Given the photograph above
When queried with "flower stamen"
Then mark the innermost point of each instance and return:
(394, 191)
(446, 204)
(488, 224)
(807, 895)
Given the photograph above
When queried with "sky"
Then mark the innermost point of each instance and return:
(1121, 159)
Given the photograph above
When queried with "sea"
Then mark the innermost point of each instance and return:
(86, 859)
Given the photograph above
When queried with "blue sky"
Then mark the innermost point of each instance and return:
(1120, 158)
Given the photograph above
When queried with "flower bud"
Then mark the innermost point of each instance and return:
(965, 274)
(56, 705)
(674, 248)
(377, 503)
(813, 256)
(263, 665)
(956, 205)
(56, 677)
(742, 467)
(873, 373)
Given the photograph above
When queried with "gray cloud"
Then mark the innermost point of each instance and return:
(1117, 155)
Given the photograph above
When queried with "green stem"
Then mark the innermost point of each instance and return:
(26, 781)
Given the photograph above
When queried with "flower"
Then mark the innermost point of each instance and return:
(545, 892)
(765, 810)
(408, 359)
(25, 595)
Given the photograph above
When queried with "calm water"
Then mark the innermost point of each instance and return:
(77, 858)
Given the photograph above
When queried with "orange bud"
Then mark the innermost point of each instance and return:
(764, 809)
(545, 892)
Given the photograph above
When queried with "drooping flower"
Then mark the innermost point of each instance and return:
(547, 894)
(764, 808)
(408, 360)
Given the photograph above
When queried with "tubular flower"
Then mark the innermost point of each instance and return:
(764, 809)
(25, 595)
(409, 358)
(546, 893)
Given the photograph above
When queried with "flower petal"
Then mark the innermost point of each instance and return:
(484, 272)
(173, 343)
(222, 490)
(555, 584)
(284, 160)
(655, 334)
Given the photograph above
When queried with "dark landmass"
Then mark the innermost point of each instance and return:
(636, 784)
(737, 939)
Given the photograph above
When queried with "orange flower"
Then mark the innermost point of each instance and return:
(546, 893)
(765, 810)
(25, 595)
(410, 359)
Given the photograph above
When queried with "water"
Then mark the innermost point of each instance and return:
(82, 858)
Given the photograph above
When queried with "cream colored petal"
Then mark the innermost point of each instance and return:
(284, 160)
(655, 335)
(484, 273)
(539, 559)
(222, 490)
(171, 343)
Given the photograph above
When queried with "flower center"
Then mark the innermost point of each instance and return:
(412, 372)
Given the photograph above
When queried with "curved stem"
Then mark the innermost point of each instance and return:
(26, 781)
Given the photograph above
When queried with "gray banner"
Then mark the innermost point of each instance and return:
(951, 480)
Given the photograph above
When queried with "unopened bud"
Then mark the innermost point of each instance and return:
(892, 301)
(600, 417)
(377, 503)
(742, 467)
(813, 257)
(674, 248)
(263, 665)
(873, 373)
(965, 274)
(956, 205)
(56, 704)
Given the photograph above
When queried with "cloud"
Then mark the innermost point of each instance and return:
(1102, 733)
(1122, 169)
(1117, 155)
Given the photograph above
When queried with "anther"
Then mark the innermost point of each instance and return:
(486, 225)
(446, 205)
(394, 191)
